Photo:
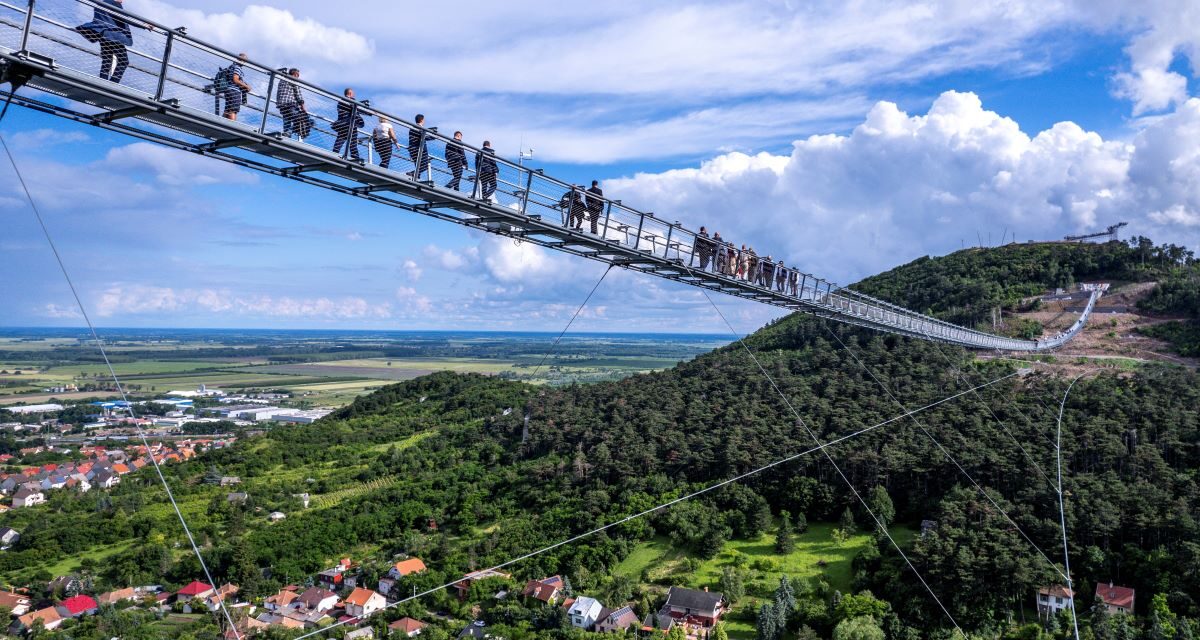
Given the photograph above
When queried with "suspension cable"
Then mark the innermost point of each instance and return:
(676, 501)
(817, 441)
(1062, 510)
(943, 449)
(961, 378)
(554, 347)
(116, 380)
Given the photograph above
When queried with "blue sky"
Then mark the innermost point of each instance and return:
(845, 138)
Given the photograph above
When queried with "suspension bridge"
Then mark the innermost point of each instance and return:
(167, 96)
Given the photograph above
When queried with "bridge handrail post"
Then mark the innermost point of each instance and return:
(667, 242)
(607, 215)
(421, 156)
(528, 188)
(637, 239)
(27, 28)
(166, 64)
(266, 112)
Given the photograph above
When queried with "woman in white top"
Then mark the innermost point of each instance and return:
(384, 139)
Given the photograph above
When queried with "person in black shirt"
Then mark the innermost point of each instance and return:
(456, 160)
(702, 247)
(595, 205)
(347, 125)
(487, 170)
(418, 148)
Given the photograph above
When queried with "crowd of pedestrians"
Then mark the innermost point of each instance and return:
(112, 31)
(744, 264)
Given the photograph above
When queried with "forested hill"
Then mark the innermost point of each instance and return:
(469, 471)
(965, 286)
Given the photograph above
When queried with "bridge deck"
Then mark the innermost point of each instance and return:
(166, 97)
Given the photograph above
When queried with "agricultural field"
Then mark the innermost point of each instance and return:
(318, 368)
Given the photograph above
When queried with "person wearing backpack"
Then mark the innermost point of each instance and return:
(112, 32)
(230, 84)
(347, 125)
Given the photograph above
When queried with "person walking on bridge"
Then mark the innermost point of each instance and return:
(290, 103)
(721, 263)
(456, 160)
(766, 272)
(595, 206)
(781, 275)
(347, 125)
(576, 206)
(486, 170)
(384, 140)
(112, 32)
(418, 148)
(701, 248)
(230, 84)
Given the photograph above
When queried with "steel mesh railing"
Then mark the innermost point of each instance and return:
(167, 65)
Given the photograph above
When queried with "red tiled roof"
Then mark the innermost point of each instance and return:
(407, 625)
(194, 589)
(1115, 596)
(79, 604)
(359, 596)
(1057, 590)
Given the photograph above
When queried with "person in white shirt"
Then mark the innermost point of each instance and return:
(384, 139)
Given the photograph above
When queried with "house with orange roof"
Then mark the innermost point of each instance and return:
(407, 626)
(1115, 599)
(49, 617)
(1053, 599)
(364, 602)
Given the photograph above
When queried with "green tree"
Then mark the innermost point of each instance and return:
(801, 523)
(881, 504)
(862, 604)
(784, 542)
(864, 628)
(719, 632)
(676, 633)
(733, 584)
(846, 522)
(767, 624)
(785, 596)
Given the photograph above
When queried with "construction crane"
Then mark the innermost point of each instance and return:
(1110, 232)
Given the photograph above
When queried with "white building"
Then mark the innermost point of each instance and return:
(364, 602)
(34, 408)
(1052, 600)
(301, 417)
(584, 612)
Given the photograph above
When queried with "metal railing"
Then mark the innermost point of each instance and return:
(171, 81)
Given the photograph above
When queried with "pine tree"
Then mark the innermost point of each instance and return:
(881, 505)
(846, 522)
(766, 624)
(801, 523)
(785, 596)
(784, 544)
(719, 632)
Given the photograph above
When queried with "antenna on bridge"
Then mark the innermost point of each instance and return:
(523, 154)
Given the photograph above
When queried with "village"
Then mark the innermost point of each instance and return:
(338, 597)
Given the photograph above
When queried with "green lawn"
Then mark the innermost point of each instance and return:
(67, 565)
(815, 555)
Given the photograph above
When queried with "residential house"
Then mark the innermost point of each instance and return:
(617, 621)
(584, 612)
(338, 576)
(547, 590)
(317, 599)
(53, 481)
(276, 516)
(237, 497)
(281, 600)
(221, 594)
(27, 497)
(403, 568)
(1053, 599)
(1115, 599)
(229, 481)
(64, 584)
(113, 597)
(106, 479)
(17, 603)
(689, 606)
(78, 606)
(464, 586)
(49, 617)
(9, 537)
(364, 602)
(407, 627)
(361, 634)
(195, 589)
